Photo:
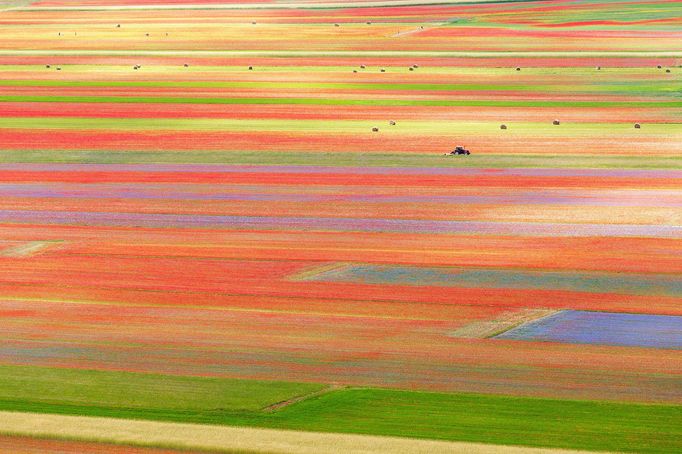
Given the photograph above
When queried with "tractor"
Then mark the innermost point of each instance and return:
(459, 150)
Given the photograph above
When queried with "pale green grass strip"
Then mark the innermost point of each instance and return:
(231, 439)
(407, 127)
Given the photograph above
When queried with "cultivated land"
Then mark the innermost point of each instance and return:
(199, 225)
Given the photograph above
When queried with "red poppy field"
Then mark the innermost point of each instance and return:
(262, 192)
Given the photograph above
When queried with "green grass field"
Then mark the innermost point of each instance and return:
(341, 160)
(462, 417)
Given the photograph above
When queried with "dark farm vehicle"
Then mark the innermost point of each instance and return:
(460, 150)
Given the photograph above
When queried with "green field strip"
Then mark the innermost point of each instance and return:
(592, 425)
(406, 127)
(337, 102)
(340, 159)
(148, 392)
(651, 86)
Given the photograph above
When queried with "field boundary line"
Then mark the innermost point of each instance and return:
(294, 400)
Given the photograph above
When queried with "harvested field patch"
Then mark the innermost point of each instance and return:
(28, 249)
(500, 324)
(221, 438)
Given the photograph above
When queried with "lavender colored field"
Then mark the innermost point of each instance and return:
(336, 224)
(633, 284)
(584, 327)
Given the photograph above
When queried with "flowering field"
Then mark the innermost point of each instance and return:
(205, 190)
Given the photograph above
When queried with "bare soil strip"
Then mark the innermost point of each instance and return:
(505, 322)
(28, 445)
(226, 439)
(310, 273)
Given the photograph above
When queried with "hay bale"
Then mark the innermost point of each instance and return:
(667, 70)
(598, 68)
(375, 129)
(186, 65)
(362, 66)
(503, 126)
(382, 70)
(47, 66)
(253, 23)
(518, 69)
(336, 25)
(659, 66)
(118, 25)
(250, 68)
(415, 66)
(638, 126)
(556, 122)
(58, 68)
(369, 23)
(411, 68)
(392, 123)
(355, 70)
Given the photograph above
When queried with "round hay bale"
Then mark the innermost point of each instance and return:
(375, 129)
(382, 70)
(667, 70)
(503, 126)
(518, 69)
(355, 70)
(58, 68)
(250, 68)
(362, 66)
(369, 23)
(118, 25)
(392, 123)
(336, 25)
(47, 66)
(638, 126)
(556, 122)
(253, 23)
(415, 66)
(411, 68)
(658, 66)
(598, 68)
